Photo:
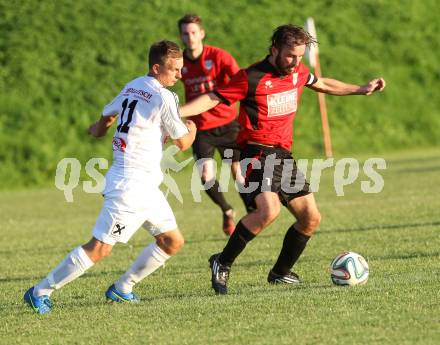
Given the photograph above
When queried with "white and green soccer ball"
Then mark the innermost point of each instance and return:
(349, 268)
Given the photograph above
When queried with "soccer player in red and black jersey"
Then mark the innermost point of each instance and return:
(269, 93)
(205, 69)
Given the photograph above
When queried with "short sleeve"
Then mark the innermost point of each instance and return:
(114, 107)
(170, 115)
(235, 90)
(229, 65)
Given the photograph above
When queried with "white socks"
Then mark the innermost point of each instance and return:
(148, 261)
(77, 262)
(73, 266)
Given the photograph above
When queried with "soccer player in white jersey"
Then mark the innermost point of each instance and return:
(146, 113)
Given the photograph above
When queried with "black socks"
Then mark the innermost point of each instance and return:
(293, 246)
(236, 244)
(217, 196)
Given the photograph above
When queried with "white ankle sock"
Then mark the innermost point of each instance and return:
(148, 261)
(73, 266)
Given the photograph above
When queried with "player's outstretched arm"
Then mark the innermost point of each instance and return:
(339, 88)
(186, 141)
(199, 105)
(100, 127)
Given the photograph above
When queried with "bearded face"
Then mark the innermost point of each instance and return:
(287, 58)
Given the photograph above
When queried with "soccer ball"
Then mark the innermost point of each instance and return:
(349, 268)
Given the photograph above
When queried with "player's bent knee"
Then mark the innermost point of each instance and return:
(97, 250)
(315, 220)
(272, 212)
(268, 215)
(170, 242)
(208, 181)
(311, 223)
(207, 175)
(106, 250)
(271, 215)
(177, 243)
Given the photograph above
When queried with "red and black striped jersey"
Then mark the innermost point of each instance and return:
(213, 69)
(268, 102)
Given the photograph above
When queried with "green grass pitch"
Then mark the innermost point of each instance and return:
(397, 230)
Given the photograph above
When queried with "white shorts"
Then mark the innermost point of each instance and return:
(124, 212)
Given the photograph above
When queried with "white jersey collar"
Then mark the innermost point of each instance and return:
(154, 81)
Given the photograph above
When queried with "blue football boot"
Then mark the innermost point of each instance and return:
(41, 304)
(113, 295)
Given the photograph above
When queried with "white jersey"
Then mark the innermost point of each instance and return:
(148, 112)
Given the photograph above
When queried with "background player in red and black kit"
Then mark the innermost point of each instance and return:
(269, 92)
(206, 68)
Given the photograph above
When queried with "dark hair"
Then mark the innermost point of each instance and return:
(291, 36)
(190, 19)
(161, 51)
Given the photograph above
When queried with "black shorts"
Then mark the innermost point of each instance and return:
(271, 169)
(220, 138)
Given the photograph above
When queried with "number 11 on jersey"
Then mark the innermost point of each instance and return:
(124, 127)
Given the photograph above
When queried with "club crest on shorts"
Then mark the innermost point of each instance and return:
(208, 64)
(119, 144)
(117, 230)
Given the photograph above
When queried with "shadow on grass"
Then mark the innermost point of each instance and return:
(223, 239)
(36, 250)
(414, 160)
(250, 291)
(36, 279)
(75, 301)
(276, 233)
(380, 227)
(415, 170)
(405, 256)
(65, 250)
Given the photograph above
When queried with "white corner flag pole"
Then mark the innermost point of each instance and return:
(313, 57)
